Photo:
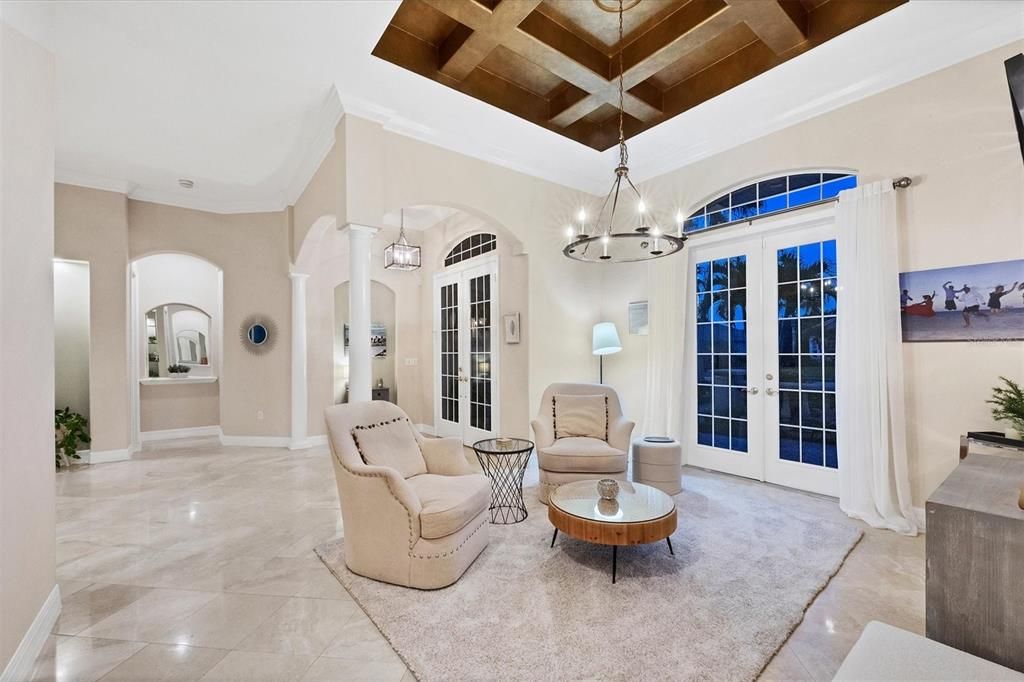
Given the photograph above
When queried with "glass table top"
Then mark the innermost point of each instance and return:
(499, 446)
(636, 502)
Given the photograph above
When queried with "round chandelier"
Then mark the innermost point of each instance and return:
(647, 240)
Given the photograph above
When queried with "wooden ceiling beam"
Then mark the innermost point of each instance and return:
(686, 29)
(470, 43)
(780, 24)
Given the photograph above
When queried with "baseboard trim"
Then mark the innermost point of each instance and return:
(425, 429)
(921, 518)
(310, 442)
(256, 441)
(24, 659)
(172, 434)
(105, 456)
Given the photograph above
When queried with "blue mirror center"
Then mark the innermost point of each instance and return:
(257, 334)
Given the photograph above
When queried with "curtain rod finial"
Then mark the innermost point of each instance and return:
(902, 183)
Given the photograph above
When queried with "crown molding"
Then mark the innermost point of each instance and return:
(324, 122)
(66, 176)
(394, 122)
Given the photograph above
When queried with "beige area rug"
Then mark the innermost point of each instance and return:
(749, 560)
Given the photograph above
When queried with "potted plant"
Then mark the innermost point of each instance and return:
(1009, 405)
(70, 429)
(178, 370)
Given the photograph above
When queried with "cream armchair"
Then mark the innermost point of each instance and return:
(414, 512)
(576, 458)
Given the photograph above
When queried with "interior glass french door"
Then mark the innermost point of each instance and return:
(466, 308)
(763, 354)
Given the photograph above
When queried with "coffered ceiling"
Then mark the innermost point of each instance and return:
(243, 98)
(555, 63)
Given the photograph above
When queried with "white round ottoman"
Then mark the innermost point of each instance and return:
(659, 465)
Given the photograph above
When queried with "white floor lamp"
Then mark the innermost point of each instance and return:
(606, 342)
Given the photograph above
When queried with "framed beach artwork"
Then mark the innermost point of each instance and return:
(983, 302)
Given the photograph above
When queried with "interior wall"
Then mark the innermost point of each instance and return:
(178, 406)
(252, 251)
(953, 133)
(71, 335)
(92, 226)
(27, 497)
(383, 170)
(382, 303)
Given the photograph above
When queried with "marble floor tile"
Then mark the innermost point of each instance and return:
(148, 616)
(359, 639)
(92, 604)
(166, 663)
(83, 659)
(216, 544)
(252, 666)
(221, 623)
(336, 669)
(302, 626)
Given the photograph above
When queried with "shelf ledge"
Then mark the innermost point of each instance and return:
(163, 381)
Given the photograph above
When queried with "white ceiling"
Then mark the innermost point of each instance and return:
(242, 97)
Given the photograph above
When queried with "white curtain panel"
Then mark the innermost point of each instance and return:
(874, 478)
(668, 304)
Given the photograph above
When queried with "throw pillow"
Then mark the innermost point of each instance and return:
(390, 443)
(580, 415)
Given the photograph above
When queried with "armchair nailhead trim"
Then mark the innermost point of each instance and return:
(387, 482)
(451, 551)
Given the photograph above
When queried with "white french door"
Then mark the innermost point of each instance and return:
(466, 351)
(763, 351)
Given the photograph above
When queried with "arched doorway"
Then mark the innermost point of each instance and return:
(383, 342)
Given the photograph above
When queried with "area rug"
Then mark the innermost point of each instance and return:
(748, 561)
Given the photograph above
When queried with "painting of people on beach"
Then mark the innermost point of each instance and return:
(983, 302)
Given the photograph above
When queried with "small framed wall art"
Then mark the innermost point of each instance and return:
(638, 321)
(512, 328)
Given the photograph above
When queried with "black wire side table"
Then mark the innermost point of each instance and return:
(504, 461)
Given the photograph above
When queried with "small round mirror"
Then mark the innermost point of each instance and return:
(257, 334)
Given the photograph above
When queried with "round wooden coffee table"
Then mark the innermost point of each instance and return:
(638, 516)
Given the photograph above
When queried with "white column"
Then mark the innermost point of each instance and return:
(300, 407)
(360, 376)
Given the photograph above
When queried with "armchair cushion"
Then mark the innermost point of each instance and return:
(449, 502)
(445, 456)
(391, 443)
(580, 415)
(581, 454)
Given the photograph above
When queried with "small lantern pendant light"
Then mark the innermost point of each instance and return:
(402, 255)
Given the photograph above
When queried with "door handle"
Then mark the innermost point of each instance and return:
(770, 391)
(752, 390)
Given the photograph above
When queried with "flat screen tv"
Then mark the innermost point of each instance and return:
(1015, 79)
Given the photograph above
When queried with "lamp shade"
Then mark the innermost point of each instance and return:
(606, 339)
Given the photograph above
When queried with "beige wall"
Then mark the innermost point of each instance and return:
(952, 132)
(178, 406)
(71, 335)
(252, 251)
(27, 520)
(92, 226)
(384, 171)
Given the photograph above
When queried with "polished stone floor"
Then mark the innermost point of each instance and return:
(194, 561)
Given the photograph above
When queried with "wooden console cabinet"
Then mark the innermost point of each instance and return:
(975, 559)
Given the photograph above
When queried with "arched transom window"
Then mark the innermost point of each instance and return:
(771, 195)
(470, 247)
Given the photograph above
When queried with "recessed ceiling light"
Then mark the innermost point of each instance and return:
(186, 183)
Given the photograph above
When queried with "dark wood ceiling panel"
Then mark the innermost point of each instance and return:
(556, 62)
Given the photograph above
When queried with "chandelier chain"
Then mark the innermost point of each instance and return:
(623, 152)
